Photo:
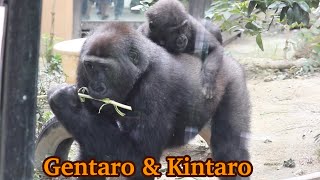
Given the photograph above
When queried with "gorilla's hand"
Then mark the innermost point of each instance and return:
(208, 90)
(67, 107)
(208, 79)
(63, 97)
(55, 88)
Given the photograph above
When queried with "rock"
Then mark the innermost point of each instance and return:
(300, 172)
(268, 79)
(279, 167)
(309, 160)
(282, 77)
(267, 141)
(289, 163)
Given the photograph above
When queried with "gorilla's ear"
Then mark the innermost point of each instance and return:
(138, 58)
(134, 56)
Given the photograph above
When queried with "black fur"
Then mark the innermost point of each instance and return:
(169, 25)
(164, 92)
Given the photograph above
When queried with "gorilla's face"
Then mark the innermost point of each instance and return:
(111, 64)
(173, 38)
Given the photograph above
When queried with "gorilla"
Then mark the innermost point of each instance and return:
(164, 90)
(169, 25)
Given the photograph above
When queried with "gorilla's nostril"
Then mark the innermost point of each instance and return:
(100, 89)
(162, 43)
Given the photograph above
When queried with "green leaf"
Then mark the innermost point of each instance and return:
(226, 15)
(283, 13)
(300, 15)
(259, 41)
(251, 7)
(147, 1)
(305, 18)
(262, 6)
(277, 5)
(290, 2)
(282, 5)
(313, 3)
(297, 13)
(290, 16)
(303, 5)
(253, 26)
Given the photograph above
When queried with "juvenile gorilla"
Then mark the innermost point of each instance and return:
(165, 94)
(169, 25)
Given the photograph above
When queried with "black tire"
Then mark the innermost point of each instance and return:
(53, 140)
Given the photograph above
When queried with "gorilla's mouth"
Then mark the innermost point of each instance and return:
(98, 90)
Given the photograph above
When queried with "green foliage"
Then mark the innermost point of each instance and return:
(145, 4)
(309, 47)
(306, 45)
(50, 73)
(234, 17)
(43, 115)
(259, 41)
(53, 60)
(239, 16)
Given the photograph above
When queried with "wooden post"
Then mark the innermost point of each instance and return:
(19, 89)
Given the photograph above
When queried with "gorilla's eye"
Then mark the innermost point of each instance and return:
(88, 65)
(133, 55)
(151, 25)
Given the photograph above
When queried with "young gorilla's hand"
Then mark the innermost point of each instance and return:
(208, 90)
(63, 97)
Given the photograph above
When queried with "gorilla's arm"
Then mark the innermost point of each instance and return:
(134, 141)
(144, 29)
(210, 69)
(66, 106)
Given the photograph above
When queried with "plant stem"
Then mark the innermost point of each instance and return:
(106, 101)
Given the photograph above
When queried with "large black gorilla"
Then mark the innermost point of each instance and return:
(165, 93)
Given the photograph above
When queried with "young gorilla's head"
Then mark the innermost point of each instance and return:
(111, 62)
(168, 24)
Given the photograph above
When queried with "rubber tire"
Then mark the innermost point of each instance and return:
(53, 140)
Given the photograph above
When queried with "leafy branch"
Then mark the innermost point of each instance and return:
(244, 16)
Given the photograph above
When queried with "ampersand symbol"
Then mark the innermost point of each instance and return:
(151, 167)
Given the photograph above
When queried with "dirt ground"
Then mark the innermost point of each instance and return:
(287, 113)
(285, 116)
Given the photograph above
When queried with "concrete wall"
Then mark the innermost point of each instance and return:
(63, 18)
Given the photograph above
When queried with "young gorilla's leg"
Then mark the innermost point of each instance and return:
(231, 124)
(210, 69)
